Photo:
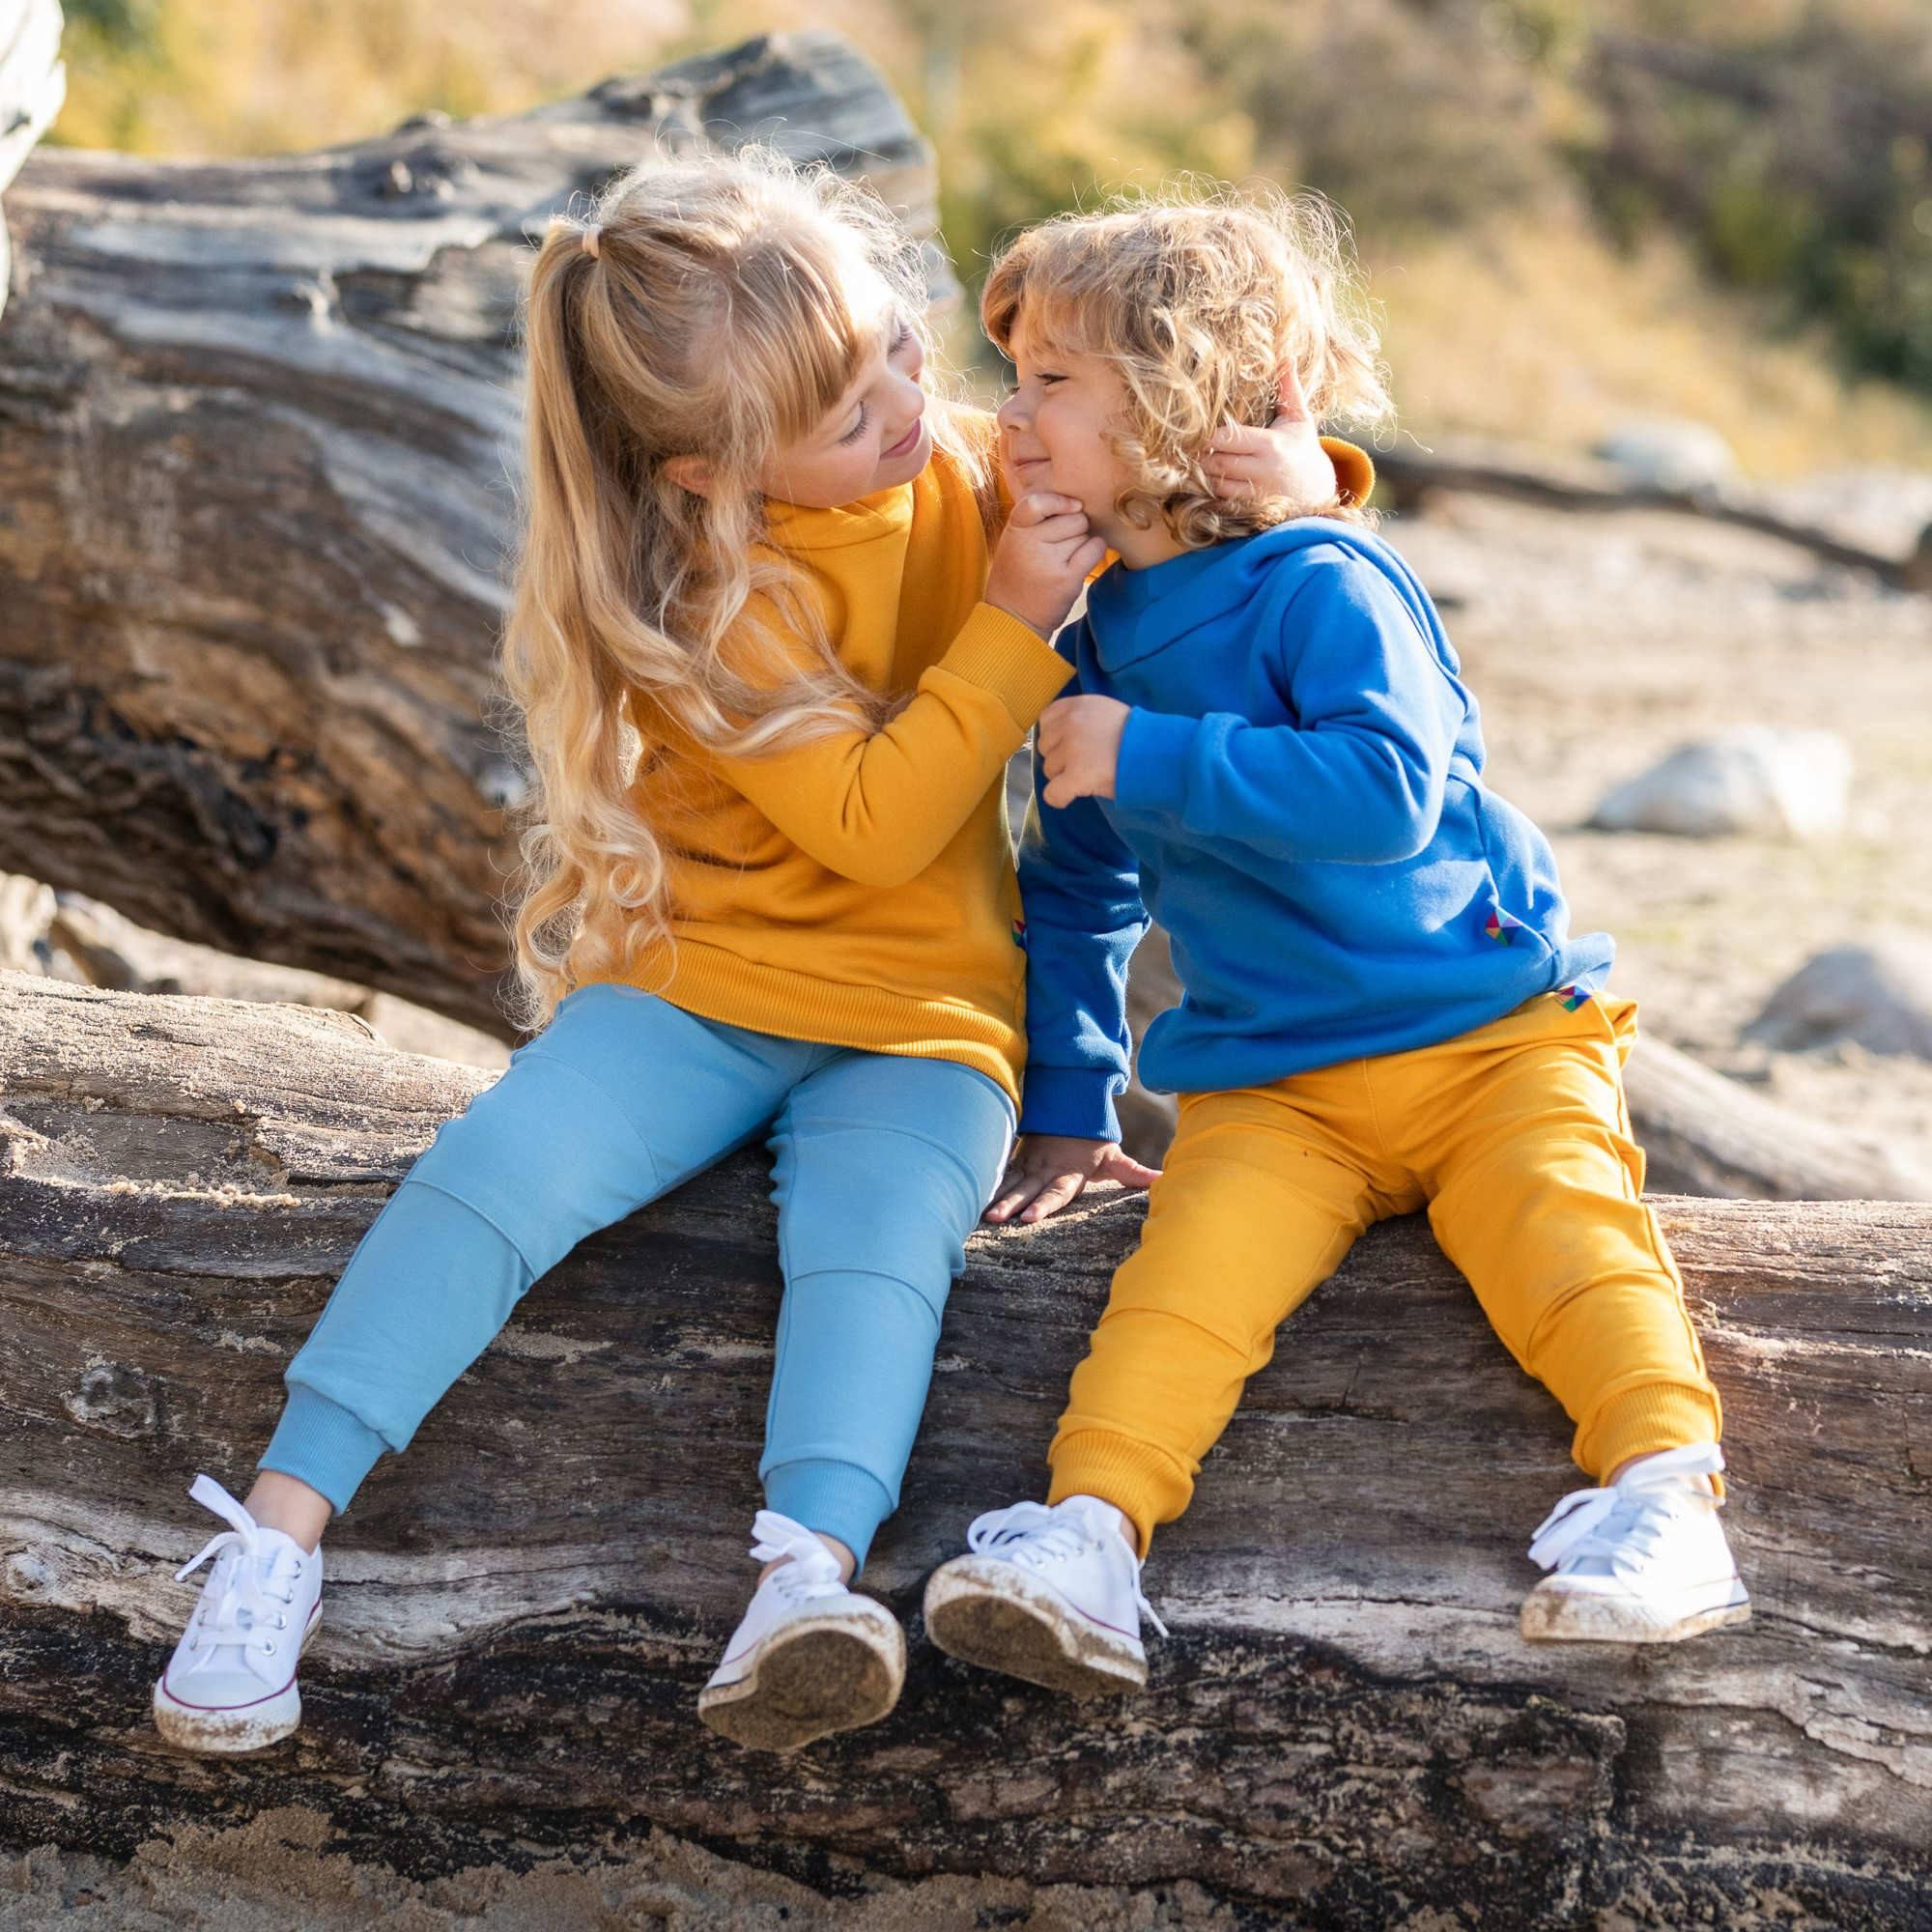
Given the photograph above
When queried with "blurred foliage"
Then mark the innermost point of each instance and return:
(1793, 148)
(1783, 143)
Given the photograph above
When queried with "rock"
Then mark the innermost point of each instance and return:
(1878, 995)
(1757, 778)
(1669, 453)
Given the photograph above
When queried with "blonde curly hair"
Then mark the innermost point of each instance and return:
(1199, 296)
(706, 309)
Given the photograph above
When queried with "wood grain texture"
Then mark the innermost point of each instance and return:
(1345, 1729)
(258, 422)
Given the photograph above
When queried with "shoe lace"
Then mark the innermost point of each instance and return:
(812, 1571)
(1624, 1522)
(1034, 1536)
(241, 1612)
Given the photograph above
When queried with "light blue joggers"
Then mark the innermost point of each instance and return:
(883, 1165)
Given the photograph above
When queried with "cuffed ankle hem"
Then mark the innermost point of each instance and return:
(1144, 1483)
(831, 1499)
(1645, 1420)
(320, 1443)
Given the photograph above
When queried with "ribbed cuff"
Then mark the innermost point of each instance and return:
(1144, 1483)
(1077, 1101)
(1645, 1420)
(322, 1444)
(831, 1499)
(998, 652)
(1150, 772)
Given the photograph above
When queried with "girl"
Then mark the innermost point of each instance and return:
(1273, 750)
(769, 685)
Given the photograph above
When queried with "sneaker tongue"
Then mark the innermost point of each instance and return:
(1096, 1517)
(811, 1570)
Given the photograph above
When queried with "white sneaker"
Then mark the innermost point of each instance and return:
(1051, 1595)
(230, 1686)
(811, 1656)
(1642, 1561)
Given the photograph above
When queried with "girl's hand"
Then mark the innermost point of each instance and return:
(1080, 747)
(1045, 555)
(1048, 1171)
(1284, 460)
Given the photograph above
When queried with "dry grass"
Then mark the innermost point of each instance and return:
(268, 77)
(1540, 334)
(1547, 334)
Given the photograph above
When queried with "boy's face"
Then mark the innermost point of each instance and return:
(1053, 426)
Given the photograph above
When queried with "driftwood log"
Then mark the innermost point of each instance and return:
(1345, 1729)
(1409, 476)
(257, 420)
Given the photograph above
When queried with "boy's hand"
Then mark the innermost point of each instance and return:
(1285, 460)
(1080, 747)
(1045, 555)
(1048, 1171)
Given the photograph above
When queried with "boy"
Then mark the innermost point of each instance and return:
(1268, 745)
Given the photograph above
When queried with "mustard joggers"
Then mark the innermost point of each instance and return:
(1516, 1136)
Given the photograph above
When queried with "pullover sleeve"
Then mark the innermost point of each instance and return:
(1080, 891)
(1359, 778)
(879, 807)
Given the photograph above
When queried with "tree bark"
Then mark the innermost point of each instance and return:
(1344, 1730)
(256, 424)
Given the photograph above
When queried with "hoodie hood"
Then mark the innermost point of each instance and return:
(1138, 613)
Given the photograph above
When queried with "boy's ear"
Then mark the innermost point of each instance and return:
(1289, 400)
(690, 472)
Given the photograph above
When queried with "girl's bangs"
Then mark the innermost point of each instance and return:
(828, 345)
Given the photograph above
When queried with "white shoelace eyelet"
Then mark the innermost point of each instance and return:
(267, 1646)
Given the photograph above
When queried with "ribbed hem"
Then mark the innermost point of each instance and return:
(1007, 657)
(1354, 470)
(717, 986)
(322, 1444)
(1645, 1420)
(831, 1499)
(1147, 1484)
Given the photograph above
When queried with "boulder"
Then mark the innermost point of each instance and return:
(1669, 453)
(1756, 779)
(1877, 994)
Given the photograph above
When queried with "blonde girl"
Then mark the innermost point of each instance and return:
(773, 653)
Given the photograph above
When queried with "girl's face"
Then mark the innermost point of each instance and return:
(873, 437)
(1054, 424)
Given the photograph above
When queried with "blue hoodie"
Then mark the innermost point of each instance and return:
(1300, 801)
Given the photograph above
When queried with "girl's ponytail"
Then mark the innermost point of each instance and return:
(585, 850)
